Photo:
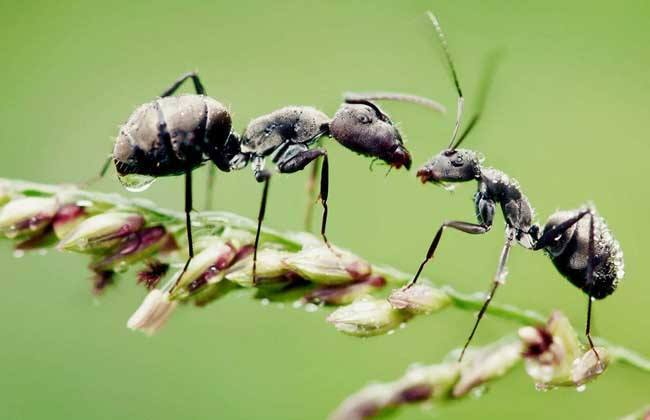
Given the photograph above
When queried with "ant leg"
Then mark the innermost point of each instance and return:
(548, 236)
(102, 173)
(188, 225)
(209, 188)
(471, 228)
(298, 161)
(198, 86)
(590, 283)
(311, 189)
(499, 278)
(324, 193)
(266, 177)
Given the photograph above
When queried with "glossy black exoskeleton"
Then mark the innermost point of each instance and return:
(578, 242)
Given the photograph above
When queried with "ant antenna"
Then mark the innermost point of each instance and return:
(396, 96)
(364, 101)
(486, 82)
(454, 75)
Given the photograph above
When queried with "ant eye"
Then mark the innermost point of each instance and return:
(364, 119)
(458, 161)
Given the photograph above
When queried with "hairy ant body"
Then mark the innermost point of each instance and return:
(578, 242)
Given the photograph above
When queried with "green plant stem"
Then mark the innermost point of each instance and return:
(219, 220)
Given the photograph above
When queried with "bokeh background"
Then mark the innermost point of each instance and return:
(567, 117)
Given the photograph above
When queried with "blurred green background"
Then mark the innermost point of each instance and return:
(567, 117)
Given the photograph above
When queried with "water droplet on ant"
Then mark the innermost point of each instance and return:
(136, 182)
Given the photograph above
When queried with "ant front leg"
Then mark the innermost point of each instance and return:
(198, 86)
(471, 228)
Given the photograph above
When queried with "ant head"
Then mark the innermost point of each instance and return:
(362, 127)
(451, 165)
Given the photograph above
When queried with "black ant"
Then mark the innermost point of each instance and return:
(578, 242)
(175, 135)
(291, 136)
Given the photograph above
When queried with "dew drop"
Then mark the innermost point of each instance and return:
(479, 391)
(402, 325)
(310, 307)
(391, 332)
(136, 182)
(33, 223)
(19, 253)
(297, 304)
(122, 267)
(581, 388)
(84, 203)
(11, 232)
(265, 302)
(42, 251)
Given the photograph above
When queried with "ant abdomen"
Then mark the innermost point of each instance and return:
(170, 135)
(569, 252)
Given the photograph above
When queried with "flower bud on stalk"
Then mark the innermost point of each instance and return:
(419, 384)
(271, 269)
(367, 316)
(67, 218)
(102, 232)
(322, 265)
(486, 364)
(135, 247)
(152, 313)
(419, 299)
(554, 356)
(345, 293)
(206, 267)
(27, 217)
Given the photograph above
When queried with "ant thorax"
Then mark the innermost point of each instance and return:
(496, 186)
